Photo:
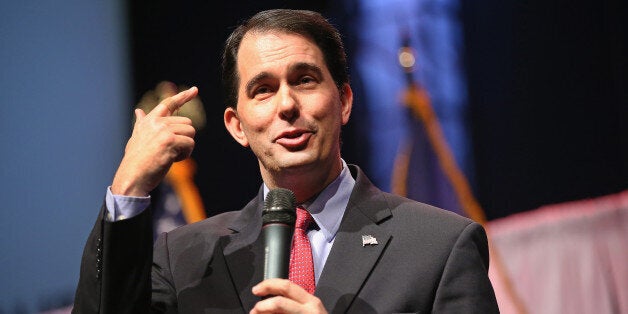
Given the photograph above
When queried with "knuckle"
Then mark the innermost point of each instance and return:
(317, 303)
(266, 305)
(167, 103)
(284, 286)
(168, 138)
(154, 124)
(279, 303)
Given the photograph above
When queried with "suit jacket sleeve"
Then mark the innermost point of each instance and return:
(464, 286)
(116, 266)
(163, 291)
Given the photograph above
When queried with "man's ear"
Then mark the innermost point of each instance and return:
(233, 125)
(346, 97)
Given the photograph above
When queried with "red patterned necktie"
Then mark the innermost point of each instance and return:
(301, 263)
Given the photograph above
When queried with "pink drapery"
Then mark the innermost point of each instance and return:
(565, 258)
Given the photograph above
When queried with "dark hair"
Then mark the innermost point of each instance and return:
(306, 23)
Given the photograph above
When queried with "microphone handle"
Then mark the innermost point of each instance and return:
(277, 243)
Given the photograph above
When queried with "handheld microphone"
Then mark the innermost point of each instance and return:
(278, 217)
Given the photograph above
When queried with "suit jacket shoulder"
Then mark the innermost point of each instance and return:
(392, 254)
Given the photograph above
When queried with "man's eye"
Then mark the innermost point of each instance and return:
(262, 90)
(306, 80)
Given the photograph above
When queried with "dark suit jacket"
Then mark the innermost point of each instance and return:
(425, 260)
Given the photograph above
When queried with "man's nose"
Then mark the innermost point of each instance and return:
(288, 103)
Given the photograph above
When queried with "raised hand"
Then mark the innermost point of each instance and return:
(287, 297)
(158, 140)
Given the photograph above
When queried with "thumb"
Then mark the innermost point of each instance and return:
(139, 114)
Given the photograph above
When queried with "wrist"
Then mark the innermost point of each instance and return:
(127, 188)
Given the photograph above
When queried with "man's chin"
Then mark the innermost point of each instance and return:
(296, 162)
(295, 166)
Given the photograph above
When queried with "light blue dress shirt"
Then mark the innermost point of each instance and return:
(120, 207)
(327, 210)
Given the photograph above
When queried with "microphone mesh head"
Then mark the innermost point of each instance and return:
(279, 207)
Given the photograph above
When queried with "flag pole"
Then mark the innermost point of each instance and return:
(417, 99)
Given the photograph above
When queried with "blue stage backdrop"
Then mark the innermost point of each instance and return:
(64, 115)
(402, 159)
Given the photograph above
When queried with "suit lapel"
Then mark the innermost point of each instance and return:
(350, 261)
(243, 251)
(348, 265)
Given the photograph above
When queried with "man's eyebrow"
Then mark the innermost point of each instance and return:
(304, 66)
(300, 66)
(252, 82)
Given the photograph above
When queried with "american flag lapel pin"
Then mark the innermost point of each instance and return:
(368, 239)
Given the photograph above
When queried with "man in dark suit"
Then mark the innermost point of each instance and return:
(288, 95)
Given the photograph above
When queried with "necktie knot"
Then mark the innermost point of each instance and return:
(304, 219)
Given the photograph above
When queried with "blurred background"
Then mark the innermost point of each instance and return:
(510, 112)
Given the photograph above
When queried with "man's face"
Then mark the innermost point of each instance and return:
(289, 109)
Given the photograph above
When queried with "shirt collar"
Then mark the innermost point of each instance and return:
(329, 205)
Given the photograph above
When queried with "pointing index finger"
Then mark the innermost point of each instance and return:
(169, 105)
